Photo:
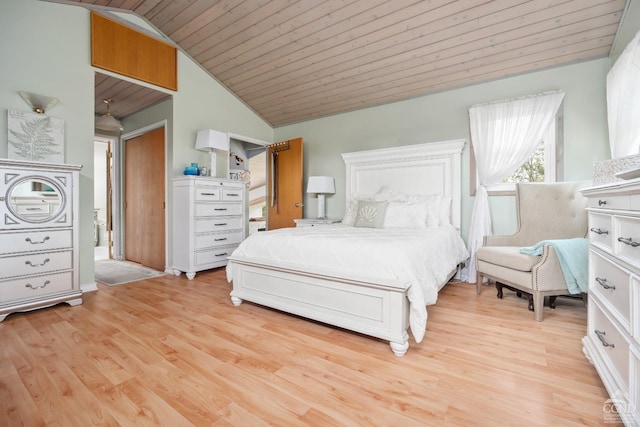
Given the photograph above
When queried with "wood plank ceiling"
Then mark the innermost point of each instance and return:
(292, 61)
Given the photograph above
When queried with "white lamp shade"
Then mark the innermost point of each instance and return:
(321, 185)
(108, 122)
(210, 139)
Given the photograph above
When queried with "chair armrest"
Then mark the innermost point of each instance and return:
(547, 274)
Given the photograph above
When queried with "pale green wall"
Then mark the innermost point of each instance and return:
(45, 49)
(444, 116)
(39, 57)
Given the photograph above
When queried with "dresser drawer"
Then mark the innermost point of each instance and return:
(218, 209)
(36, 263)
(622, 202)
(27, 241)
(610, 342)
(628, 239)
(205, 225)
(600, 231)
(35, 287)
(232, 194)
(612, 284)
(635, 315)
(634, 393)
(213, 255)
(207, 194)
(218, 239)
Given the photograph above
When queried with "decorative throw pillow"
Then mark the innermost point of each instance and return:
(370, 214)
(351, 210)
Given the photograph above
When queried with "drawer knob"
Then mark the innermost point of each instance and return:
(599, 231)
(209, 194)
(233, 194)
(222, 254)
(602, 202)
(602, 339)
(46, 260)
(628, 241)
(28, 239)
(219, 209)
(220, 224)
(603, 282)
(29, 285)
(221, 239)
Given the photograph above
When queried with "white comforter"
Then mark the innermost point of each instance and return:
(417, 260)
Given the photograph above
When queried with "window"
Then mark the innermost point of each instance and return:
(542, 166)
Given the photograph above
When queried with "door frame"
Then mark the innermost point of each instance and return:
(112, 142)
(258, 142)
(119, 225)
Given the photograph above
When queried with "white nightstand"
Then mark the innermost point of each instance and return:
(314, 222)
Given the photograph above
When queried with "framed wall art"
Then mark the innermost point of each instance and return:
(35, 137)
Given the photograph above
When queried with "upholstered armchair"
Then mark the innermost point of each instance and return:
(545, 212)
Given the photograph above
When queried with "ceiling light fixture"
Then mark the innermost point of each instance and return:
(107, 121)
(38, 103)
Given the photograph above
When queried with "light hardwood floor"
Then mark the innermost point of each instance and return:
(172, 352)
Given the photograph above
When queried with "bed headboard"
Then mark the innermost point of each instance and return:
(425, 169)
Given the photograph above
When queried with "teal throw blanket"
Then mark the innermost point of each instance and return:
(573, 255)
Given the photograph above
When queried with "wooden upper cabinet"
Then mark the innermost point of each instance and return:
(120, 49)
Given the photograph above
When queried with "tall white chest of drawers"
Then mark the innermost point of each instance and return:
(38, 235)
(208, 222)
(612, 342)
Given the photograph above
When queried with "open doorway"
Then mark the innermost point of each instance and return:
(258, 192)
(247, 161)
(103, 196)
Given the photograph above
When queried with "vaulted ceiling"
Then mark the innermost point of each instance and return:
(292, 61)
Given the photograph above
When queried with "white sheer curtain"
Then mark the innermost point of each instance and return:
(504, 135)
(623, 102)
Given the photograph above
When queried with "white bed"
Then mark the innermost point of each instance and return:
(385, 290)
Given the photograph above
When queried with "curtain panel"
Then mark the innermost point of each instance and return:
(623, 102)
(504, 135)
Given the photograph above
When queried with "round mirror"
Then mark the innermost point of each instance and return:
(35, 200)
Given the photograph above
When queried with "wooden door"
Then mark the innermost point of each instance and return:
(284, 174)
(144, 197)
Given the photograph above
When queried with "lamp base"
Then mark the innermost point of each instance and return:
(213, 158)
(321, 206)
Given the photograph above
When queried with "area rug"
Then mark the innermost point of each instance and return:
(111, 272)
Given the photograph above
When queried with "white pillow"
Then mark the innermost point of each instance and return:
(351, 210)
(407, 215)
(388, 194)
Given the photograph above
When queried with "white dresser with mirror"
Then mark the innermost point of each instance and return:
(39, 235)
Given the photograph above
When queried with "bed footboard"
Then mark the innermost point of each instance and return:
(371, 309)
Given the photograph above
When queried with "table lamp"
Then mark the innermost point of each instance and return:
(321, 185)
(212, 140)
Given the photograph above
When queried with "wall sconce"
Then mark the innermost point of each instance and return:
(321, 185)
(212, 140)
(38, 103)
(107, 121)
